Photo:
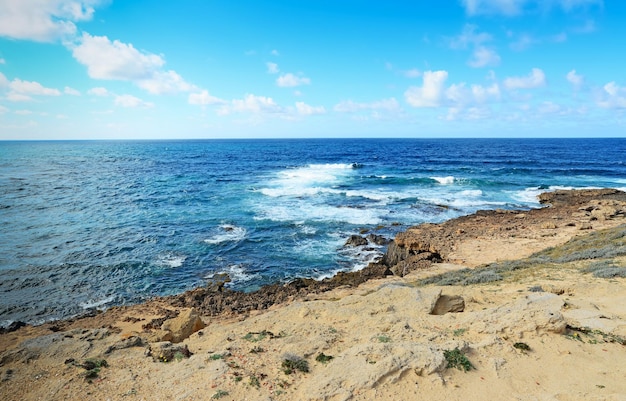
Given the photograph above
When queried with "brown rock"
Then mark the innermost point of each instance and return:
(181, 327)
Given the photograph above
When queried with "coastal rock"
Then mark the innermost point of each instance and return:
(356, 240)
(184, 325)
(378, 239)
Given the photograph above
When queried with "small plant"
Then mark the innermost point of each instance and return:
(178, 356)
(522, 346)
(254, 381)
(456, 359)
(384, 339)
(294, 363)
(459, 332)
(255, 337)
(92, 367)
(256, 350)
(216, 357)
(323, 358)
(219, 394)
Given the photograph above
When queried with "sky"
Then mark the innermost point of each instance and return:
(145, 69)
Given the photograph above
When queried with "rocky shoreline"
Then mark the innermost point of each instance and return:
(275, 315)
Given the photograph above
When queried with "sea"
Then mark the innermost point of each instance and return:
(86, 225)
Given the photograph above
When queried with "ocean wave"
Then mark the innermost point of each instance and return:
(307, 213)
(444, 180)
(227, 233)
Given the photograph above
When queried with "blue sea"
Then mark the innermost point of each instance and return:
(91, 224)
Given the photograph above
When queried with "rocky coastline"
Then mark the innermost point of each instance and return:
(376, 315)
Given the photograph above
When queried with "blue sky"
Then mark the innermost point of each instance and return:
(100, 69)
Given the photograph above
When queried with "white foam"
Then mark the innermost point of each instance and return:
(237, 274)
(307, 212)
(227, 233)
(307, 181)
(172, 261)
(444, 180)
(91, 304)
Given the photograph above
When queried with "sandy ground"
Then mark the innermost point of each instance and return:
(384, 343)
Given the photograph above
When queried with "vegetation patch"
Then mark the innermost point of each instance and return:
(606, 269)
(92, 367)
(219, 394)
(457, 359)
(323, 358)
(384, 339)
(522, 347)
(293, 363)
(592, 336)
(595, 246)
(261, 335)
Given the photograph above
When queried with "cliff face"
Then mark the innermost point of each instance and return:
(419, 246)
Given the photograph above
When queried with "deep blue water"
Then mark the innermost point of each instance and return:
(95, 224)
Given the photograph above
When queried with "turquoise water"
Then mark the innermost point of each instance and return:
(92, 224)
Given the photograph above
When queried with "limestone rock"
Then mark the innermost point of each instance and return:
(376, 364)
(448, 303)
(536, 312)
(184, 325)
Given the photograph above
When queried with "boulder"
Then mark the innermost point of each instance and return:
(356, 240)
(184, 325)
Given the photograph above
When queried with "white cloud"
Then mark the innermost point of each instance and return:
(275, 53)
(430, 93)
(204, 99)
(575, 79)
(348, 106)
(483, 94)
(3, 110)
(536, 79)
(121, 61)
(272, 68)
(18, 97)
(23, 112)
(32, 88)
(548, 107)
(71, 91)
(98, 91)
(4, 82)
(613, 96)
(131, 101)
(2, 61)
(22, 91)
(306, 110)
(290, 80)
(469, 37)
(484, 57)
(165, 82)
(43, 20)
(511, 8)
(251, 104)
(523, 42)
(412, 73)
